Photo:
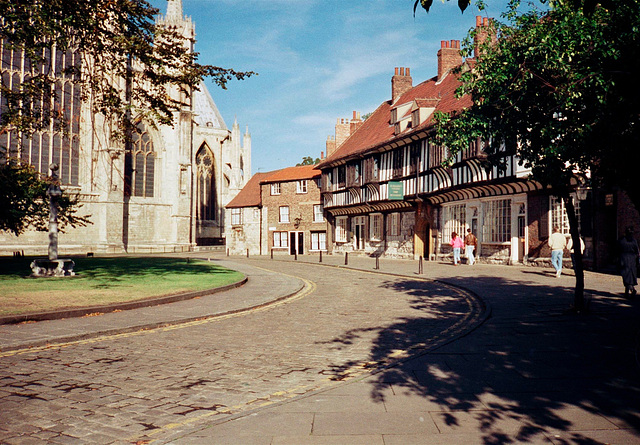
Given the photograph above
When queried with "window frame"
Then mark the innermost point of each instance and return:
(455, 220)
(275, 189)
(318, 213)
(301, 186)
(341, 229)
(376, 221)
(320, 244)
(283, 216)
(496, 221)
(558, 214)
(394, 224)
(280, 235)
(236, 216)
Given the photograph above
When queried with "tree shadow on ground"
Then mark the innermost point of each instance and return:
(530, 372)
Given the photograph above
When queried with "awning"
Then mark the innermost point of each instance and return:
(368, 208)
(512, 187)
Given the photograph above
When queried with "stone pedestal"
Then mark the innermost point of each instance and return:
(44, 267)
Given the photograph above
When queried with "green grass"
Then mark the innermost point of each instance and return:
(101, 280)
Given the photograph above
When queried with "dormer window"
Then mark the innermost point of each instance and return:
(421, 110)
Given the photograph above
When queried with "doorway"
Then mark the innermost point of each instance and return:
(522, 227)
(359, 232)
(296, 243)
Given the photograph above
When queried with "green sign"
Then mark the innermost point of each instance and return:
(396, 191)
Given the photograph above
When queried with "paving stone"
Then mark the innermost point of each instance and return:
(358, 423)
(527, 374)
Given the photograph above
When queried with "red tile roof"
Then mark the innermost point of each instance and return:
(249, 196)
(293, 174)
(377, 130)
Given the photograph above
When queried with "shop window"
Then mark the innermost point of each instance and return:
(496, 227)
(455, 217)
(341, 229)
(375, 227)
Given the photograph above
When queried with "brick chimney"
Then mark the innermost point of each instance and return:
(344, 129)
(331, 145)
(448, 57)
(401, 82)
(355, 122)
(482, 34)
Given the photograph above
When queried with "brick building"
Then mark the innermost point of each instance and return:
(278, 212)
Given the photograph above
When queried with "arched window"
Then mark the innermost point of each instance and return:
(205, 185)
(140, 165)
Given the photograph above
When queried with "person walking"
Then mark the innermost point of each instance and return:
(557, 242)
(470, 245)
(629, 256)
(457, 244)
(572, 253)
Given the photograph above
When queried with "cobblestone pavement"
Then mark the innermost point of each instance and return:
(141, 386)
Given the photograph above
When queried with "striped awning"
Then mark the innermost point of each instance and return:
(511, 187)
(368, 208)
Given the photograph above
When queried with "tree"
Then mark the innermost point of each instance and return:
(587, 6)
(308, 160)
(117, 40)
(124, 62)
(557, 88)
(24, 201)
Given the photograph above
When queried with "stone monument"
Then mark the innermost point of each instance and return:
(53, 266)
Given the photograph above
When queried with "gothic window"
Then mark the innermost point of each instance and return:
(57, 140)
(205, 185)
(140, 165)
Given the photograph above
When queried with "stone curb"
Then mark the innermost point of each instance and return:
(149, 326)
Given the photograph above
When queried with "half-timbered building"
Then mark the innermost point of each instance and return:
(386, 189)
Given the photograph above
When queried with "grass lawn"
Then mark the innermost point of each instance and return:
(101, 280)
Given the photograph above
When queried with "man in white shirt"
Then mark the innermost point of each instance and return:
(557, 242)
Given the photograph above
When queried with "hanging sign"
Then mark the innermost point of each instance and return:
(396, 192)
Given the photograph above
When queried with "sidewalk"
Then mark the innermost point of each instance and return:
(533, 373)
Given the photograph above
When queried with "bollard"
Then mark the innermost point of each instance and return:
(296, 256)
(346, 258)
(227, 252)
(377, 263)
(420, 265)
(247, 253)
(271, 253)
(320, 257)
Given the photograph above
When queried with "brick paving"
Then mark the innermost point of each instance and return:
(531, 373)
(122, 378)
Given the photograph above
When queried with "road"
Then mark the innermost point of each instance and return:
(143, 385)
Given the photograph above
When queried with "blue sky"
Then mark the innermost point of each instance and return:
(318, 60)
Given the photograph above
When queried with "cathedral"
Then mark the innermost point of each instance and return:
(167, 193)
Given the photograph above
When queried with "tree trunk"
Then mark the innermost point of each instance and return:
(578, 299)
